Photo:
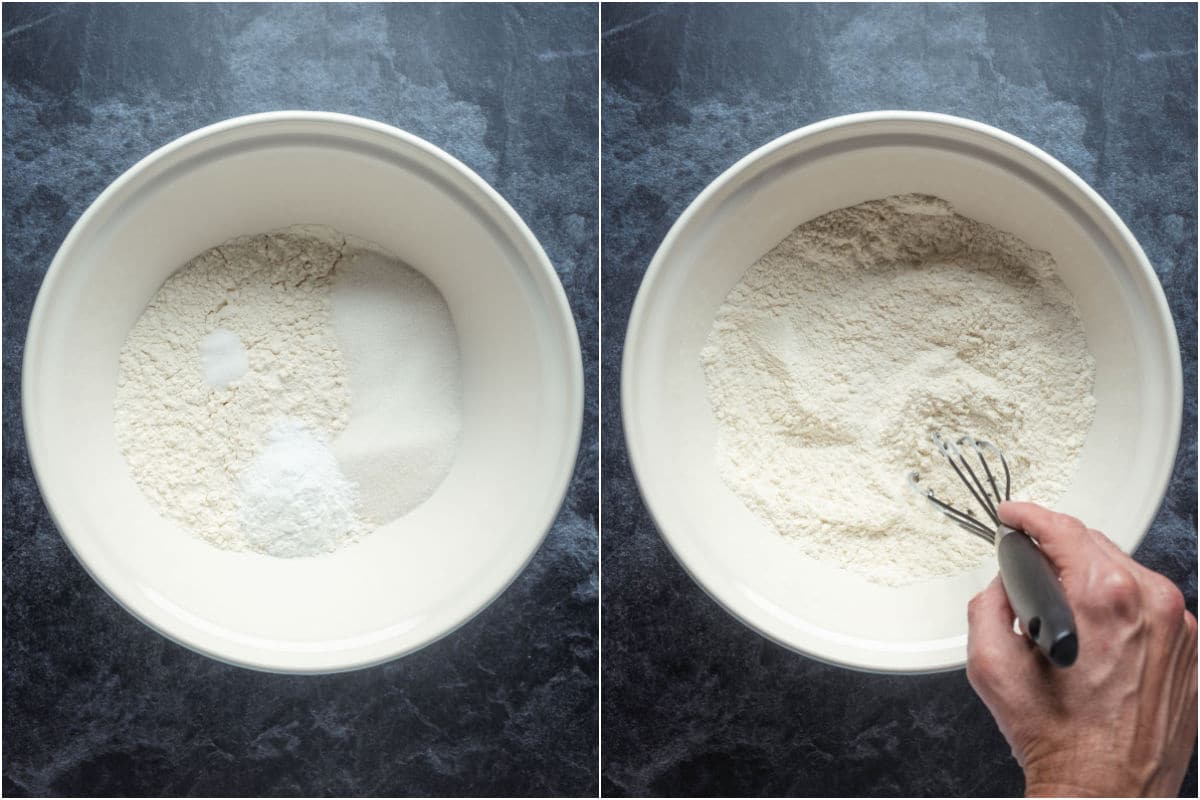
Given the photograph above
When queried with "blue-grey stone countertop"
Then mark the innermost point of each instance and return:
(97, 704)
(694, 702)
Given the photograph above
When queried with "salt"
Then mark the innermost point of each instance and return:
(223, 358)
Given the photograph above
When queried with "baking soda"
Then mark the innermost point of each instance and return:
(293, 499)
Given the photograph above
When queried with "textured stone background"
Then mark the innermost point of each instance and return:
(694, 702)
(95, 703)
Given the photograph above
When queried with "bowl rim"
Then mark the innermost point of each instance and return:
(541, 269)
(1143, 272)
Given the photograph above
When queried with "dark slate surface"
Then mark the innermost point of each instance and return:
(96, 703)
(695, 703)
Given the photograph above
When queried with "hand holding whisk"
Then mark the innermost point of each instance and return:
(1029, 580)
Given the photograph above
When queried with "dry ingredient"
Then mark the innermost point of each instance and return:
(294, 499)
(237, 383)
(864, 329)
(223, 358)
(401, 350)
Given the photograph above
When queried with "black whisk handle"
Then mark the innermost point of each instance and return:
(1036, 596)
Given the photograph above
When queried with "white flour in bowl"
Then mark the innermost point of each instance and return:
(241, 378)
(840, 349)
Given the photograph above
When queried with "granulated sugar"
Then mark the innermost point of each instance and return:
(841, 348)
(401, 350)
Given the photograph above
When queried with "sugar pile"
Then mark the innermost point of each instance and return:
(401, 351)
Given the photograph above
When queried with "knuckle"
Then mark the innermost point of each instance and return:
(975, 673)
(983, 666)
(1118, 588)
(1067, 521)
(1166, 601)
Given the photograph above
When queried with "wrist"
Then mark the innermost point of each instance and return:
(1081, 778)
(1061, 788)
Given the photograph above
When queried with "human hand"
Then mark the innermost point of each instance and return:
(1122, 720)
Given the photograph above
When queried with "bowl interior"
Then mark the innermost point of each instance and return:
(413, 579)
(751, 570)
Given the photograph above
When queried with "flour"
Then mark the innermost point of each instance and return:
(187, 442)
(864, 329)
(233, 390)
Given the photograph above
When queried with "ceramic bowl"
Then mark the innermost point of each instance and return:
(409, 582)
(762, 578)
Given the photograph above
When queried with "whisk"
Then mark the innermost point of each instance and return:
(1029, 580)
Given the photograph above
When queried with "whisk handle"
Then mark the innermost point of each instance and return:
(1036, 596)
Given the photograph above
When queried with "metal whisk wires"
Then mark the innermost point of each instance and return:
(986, 490)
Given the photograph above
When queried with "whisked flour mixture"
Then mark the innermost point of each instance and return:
(841, 348)
(288, 392)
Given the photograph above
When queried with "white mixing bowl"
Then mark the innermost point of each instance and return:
(762, 578)
(411, 581)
